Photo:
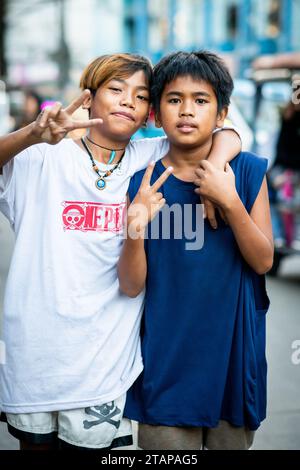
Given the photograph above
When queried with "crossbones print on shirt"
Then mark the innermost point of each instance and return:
(104, 413)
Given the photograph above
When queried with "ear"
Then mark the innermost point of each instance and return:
(87, 102)
(222, 116)
(157, 120)
(144, 125)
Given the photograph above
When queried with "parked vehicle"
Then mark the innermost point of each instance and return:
(276, 126)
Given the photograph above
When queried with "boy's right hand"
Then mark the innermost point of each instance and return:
(148, 201)
(54, 122)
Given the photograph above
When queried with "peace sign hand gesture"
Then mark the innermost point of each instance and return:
(54, 122)
(147, 202)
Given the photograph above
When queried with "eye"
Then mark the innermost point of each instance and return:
(143, 98)
(201, 101)
(174, 100)
(117, 90)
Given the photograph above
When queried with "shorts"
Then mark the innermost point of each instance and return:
(94, 427)
(223, 437)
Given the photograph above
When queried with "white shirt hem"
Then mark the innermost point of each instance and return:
(59, 406)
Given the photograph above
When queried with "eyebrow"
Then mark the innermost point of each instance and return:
(140, 87)
(197, 93)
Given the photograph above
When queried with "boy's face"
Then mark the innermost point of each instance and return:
(188, 112)
(123, 104)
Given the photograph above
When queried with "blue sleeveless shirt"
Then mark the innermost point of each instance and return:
(203, 328)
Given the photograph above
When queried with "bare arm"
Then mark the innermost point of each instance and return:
(226, 145)
(51, 126)
(14, 143)
(132, 266)
(253, 232)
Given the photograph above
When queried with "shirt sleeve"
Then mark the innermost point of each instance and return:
(134, 185)
(15, 177)
(228, 125)
(148, 150)
(255, 173)
(7, 190)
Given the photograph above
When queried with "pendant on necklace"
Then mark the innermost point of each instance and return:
(100, 183)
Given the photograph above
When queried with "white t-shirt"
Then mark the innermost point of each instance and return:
(72, 339)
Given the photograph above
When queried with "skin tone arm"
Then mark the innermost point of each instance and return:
(253, 232)
(226, 145)
(15, 142)
(132, 265)
(51, 127)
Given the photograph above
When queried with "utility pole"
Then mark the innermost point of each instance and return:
(141, 26)
(62, 54)
(171, 33)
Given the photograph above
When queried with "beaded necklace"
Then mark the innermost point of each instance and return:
(113, 151)
(100, 182)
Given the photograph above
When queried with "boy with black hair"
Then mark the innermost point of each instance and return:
(203, 334)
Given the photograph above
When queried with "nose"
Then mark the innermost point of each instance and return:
(127, 101)
(186, 109)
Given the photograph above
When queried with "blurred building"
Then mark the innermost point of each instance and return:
(242, 29)
(50, 41)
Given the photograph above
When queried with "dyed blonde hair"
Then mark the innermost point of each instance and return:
(114, 66)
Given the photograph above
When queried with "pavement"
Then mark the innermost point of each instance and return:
(281, 429)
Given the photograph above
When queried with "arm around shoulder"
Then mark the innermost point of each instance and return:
(226, 145)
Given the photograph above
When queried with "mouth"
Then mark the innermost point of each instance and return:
(126, 116)
(186, 127)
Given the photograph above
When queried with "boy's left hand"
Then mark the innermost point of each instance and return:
(216, 185)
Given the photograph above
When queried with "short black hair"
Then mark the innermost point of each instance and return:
(200, 65)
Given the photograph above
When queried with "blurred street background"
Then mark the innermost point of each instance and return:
(44, 46)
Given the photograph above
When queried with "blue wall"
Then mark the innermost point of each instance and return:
(246, 46)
